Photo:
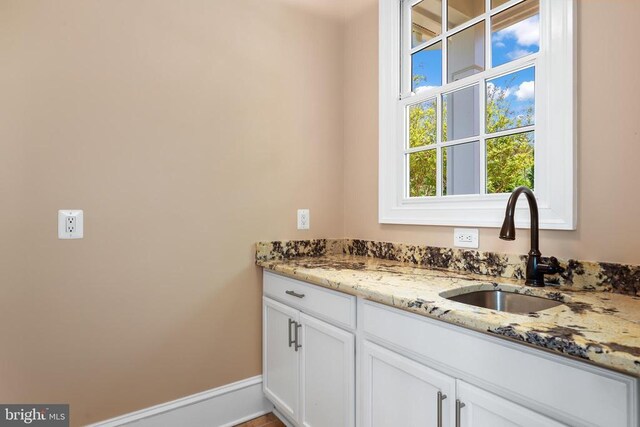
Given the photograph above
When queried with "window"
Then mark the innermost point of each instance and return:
(476, 99)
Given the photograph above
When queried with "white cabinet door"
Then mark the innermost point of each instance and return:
(400, 392)
(327, 370)
(280, 360)
(484, 409)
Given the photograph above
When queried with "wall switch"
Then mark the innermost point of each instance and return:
(465, 237)
(303, 219)
(70, 224)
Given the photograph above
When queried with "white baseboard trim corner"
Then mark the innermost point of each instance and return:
(224, 406)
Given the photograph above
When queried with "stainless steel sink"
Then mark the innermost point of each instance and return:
(506, 301)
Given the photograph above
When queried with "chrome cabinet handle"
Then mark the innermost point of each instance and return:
(294, 294)
(297, 345)
(291, 322)
(459, 406)
(441, 397)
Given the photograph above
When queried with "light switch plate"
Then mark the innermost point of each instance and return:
(466, 238)
(70, 224)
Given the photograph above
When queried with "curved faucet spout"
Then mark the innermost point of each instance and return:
(535, 268)
(508, 230)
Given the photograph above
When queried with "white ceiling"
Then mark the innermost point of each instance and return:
(339, 9)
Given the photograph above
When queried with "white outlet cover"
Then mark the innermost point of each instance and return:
(303, 219)
(75, 231)
(466, 238)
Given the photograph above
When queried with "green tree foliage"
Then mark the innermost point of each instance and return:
(510, 159)
(422, 165)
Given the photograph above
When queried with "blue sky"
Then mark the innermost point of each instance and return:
(428, 64)
(516, 41)
(508, 44)
(519, 90)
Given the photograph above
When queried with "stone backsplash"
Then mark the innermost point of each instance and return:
(578, 275)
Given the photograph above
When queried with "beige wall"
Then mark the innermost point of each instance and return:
(189, 132)
(608, 139)
(186, 131)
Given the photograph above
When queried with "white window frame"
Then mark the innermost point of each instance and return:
(555, 144)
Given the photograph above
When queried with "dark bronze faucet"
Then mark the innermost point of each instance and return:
(536, 265)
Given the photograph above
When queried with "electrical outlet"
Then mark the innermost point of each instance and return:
(303, 219)
(465, 237)
(70, 224)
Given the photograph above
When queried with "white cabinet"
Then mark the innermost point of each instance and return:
(309, 367)
(417, 371)
(327, 374)
(281, 364)
(397, 391)
(479, 408)
(562, 389)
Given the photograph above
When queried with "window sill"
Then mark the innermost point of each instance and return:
(472, 211)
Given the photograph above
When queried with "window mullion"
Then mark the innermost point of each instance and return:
(439, 101)
(444, 43)
(511, 131)
(488, 53)
(444, 14)
(407, 175)
(439, 148)
(460, 28)
(425, 45)
(482, 96)
(406, 181)
(509, 4)
(405, 49)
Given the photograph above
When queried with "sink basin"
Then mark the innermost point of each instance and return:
(509, 302)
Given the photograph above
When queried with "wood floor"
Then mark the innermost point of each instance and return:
(268, 420)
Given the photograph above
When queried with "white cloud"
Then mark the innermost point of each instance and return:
(518, 53)
(498, 91)
(526, 33)
(525, 91)
(423, 88)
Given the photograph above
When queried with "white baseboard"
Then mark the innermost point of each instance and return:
(224, 406)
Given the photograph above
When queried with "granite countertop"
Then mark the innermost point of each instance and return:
(600, 327)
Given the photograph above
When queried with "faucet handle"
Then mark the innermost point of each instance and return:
(553, 266)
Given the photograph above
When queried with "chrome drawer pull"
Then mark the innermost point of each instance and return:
(298, 326)
(294, 294)
(291, 341)
(441, 397)
(459, 406)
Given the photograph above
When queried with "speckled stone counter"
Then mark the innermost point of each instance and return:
(578, 274)
(599, 327)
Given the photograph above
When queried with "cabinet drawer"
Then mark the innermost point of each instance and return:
(575, 393)
(332, 306)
